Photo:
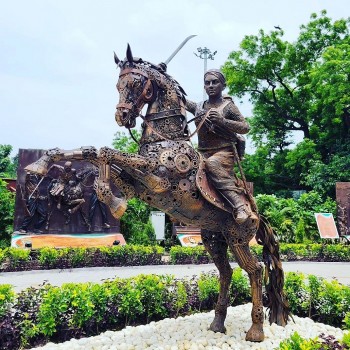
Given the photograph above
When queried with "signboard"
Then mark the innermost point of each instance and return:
(326, 225)
(190, 239)
(158, 223)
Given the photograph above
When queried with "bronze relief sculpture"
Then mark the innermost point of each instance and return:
(170, 175)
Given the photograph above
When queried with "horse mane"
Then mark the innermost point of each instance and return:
(156, 72)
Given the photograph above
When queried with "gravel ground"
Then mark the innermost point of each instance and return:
(191, 332)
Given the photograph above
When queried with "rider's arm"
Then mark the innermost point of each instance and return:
(191, 106)
(234, 120)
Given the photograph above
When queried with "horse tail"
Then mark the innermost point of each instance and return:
(276, 301)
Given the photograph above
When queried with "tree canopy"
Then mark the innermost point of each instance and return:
(301, 86)
(8, 165)
(125, 143)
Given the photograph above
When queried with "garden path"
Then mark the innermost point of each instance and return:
(24, 279)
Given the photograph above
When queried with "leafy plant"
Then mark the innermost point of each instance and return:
(135, 223)
(48, 256)
(297, 293)
(208, 289)
(239, 288)
(296, 342)
(7, 207)
(7, 297)
(293, 219)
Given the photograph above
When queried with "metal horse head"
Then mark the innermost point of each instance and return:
(135, 89)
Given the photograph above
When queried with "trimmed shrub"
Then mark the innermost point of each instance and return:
(16, 259)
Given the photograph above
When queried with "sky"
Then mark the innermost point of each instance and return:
(57, 71)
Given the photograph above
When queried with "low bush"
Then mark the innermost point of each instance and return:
(323, 342)
(15, 259)
(288, 252)
(189, 255)
(6, 298)
(38, 315)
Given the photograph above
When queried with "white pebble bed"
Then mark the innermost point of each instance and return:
(191, 333)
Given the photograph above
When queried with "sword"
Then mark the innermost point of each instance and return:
(179, 48)
(36, 187)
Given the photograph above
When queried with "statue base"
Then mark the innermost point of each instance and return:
(87, 240)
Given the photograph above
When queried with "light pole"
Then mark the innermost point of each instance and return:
(205, 54)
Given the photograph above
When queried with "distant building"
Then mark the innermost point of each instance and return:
(11, 184)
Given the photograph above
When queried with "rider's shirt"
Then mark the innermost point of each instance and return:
(222, 135)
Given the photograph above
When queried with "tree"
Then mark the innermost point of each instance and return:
(125, 143)
(136, 225)
(7, 207)
(301, 86)
(8, 166)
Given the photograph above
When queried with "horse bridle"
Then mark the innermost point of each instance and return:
(143, 98)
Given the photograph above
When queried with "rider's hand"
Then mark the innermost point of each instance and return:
(215, 117)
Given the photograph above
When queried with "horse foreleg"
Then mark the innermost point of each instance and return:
(216, 246)
(104, 193)
(251, 265)
(139, 167)
(42, 165)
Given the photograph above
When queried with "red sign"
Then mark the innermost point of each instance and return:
(326, 225)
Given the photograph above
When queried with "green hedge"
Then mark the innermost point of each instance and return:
(323, 342)
(289, 252)
(16, 259)
(38, 315)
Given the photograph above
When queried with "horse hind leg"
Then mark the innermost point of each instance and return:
(251, 265)
(216, 246)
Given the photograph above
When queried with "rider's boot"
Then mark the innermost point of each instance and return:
(239, 207)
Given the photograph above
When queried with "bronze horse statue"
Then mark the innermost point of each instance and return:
(169, 174)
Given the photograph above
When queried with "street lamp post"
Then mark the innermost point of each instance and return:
(205, 54)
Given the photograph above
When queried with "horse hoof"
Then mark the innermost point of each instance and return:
(118, 207)
(217, 327)
(255, 333)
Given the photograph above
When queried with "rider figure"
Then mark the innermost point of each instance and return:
(34, 204)
(67, 174)
(217, 137)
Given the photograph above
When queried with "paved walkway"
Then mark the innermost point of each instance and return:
(22, 280)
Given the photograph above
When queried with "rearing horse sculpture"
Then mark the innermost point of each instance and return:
(168, 174)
